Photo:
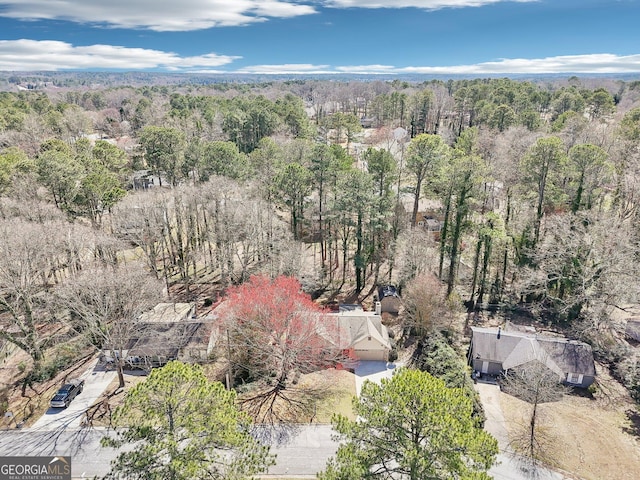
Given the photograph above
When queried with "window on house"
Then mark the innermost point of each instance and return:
(574, 378)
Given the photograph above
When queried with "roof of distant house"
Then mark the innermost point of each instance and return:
(627, 317)
(162, 338)
(167, 313)
(387, 291)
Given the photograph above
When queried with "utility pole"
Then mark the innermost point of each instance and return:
(230, 370)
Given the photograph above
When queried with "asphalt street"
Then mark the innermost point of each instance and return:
(301, 451)
(88, 458)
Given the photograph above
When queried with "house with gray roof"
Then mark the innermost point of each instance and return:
(168, 332)
(389, 299)
(627, 318)
(496, 350)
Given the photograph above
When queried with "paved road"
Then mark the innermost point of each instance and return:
(301, 451)
(88, 459)
(96, 380)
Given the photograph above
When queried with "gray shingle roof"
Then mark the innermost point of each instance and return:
(515, 348)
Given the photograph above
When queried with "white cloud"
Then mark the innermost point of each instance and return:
(592, 63)
(422, 4)
(289, 69)
(29, 55)
(26, 55)
(159, 15)
(187, 15)
(367, 69)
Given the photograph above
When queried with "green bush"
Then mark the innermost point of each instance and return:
(22, 366)
(439, 358)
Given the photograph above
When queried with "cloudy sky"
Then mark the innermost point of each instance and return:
(322, 36)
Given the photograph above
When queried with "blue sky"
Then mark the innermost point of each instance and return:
(322, 36)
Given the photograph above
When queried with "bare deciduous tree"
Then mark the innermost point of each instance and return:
(141, 220)
(425, 300)
(536, 384)
(416, 254)
(33, 257)
(584, 264)
(106, 303)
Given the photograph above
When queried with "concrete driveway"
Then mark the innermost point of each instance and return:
(495, 423)
(96, 380)
(373, 371)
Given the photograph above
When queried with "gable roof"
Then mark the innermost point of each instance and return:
(357, 325)
(627, 318)
(162, 339)
(387, 291)
(365, 327)
(166, 330)
(514, 348)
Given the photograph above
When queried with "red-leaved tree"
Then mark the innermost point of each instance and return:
(275, 333)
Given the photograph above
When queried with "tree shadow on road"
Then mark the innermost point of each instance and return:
(634, 423)
(275, 435)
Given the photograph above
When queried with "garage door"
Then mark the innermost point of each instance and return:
(380, 355)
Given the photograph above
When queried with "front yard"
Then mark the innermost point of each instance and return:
(338, 387)
(595, 438)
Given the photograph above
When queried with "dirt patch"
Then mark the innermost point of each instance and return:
(593, 437)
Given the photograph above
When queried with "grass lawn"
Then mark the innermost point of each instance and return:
(341, 388)
(313, 398)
